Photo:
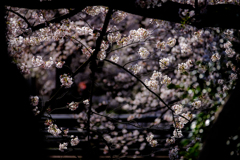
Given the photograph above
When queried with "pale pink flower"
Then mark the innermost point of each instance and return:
(66, 80)
(62, 146)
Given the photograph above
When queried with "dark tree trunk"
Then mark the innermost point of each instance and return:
(20, 130)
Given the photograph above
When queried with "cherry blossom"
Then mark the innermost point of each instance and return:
(135, 68)
(62, 146)
(73, 106)
(177, 108)
(66, 80)
(34, 100)
(74, 141)
(36, 62)
(215, 57)
(101, 55)
(161, 45)
(170, 140)
(164, 63)
(197, 104)
(171, 42)
(54, 130)
(166, 80)
(114, 58)
(86, 102)
(143, 52)
(59, 64)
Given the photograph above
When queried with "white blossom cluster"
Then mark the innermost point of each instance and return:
(152, 142)
(59, 64)
(54, 32)
(84, 31)
(74, 141)
(44, 34)
(36, 111)
(215, 57)
(124, 41)
(24, 68)
(87, 51)
(94, 10)
(220, 81)
(119, 16)
(34, 100)
(196, 104)
(138, 35)
(39, 62)
(36, 62)
(170, 140)
(166, 80)
(66, 80)
(86, 102)
(164, 63)
(62, 146)
(184, 66)
(185, 117)
(54, 130)
(184, 13)
(48, 63)
(73, 106)
(114, 58)
(143, 52)
(229, 51)
(153, 82)
(185, 48)
(225, 88)
(114, 37)
(198, 34)
(177, 108)
(102, 53)
(171, 42)
(161, 45)
(135, 68)
(177, 133)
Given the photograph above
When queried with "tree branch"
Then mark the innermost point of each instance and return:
(55, 20)
(141, 83)
(58, 19)
(93, 67)
(223, 15)
(166, 105)
(29, 25)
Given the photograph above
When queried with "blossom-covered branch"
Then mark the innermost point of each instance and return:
(223, 15)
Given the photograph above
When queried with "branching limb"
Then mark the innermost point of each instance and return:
(138, 79)
(29, 25)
